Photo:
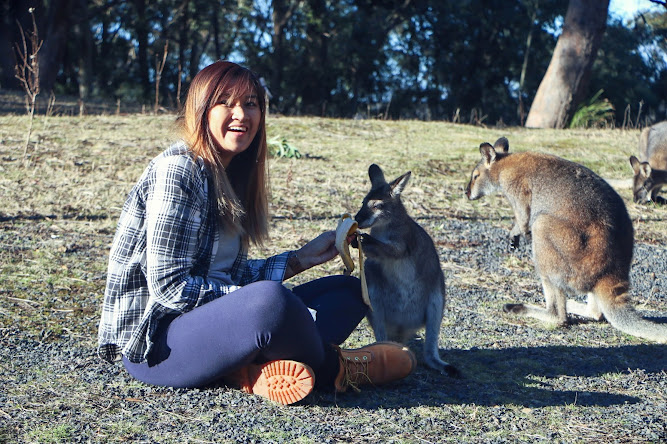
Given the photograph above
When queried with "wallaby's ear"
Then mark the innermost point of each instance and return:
(398, 184)
(502, 145)
(488, 153)
(642, 168)
(376, 175)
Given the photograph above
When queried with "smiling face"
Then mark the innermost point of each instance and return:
(233, 123)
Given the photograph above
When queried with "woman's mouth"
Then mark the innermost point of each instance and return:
(237, 129)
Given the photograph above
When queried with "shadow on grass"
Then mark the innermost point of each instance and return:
(528, 377)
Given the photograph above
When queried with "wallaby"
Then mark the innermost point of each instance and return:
(406, 285)
(582, 236)
(650, 169)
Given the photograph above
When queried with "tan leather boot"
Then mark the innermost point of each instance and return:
(375, 364)
(281, 381)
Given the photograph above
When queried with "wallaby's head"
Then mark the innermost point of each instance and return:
(383, 201)
(642, 183)
(481, 183)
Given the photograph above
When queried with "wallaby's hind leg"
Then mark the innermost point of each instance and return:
(432, 333)
(590, 310)
(549, 262)
(554, 313)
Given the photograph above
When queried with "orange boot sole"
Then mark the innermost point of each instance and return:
(282, 381)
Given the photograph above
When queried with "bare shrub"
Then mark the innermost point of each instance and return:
(27, 71)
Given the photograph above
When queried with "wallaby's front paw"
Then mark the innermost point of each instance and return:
(514, 308)
(365, 238)
(515, 241)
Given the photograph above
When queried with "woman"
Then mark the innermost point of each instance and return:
(185, 307)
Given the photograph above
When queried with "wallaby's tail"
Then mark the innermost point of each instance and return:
(615, 305)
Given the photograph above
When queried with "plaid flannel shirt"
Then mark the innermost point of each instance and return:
(166, 239)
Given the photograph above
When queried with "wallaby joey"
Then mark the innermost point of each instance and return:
(650, 169)
(582, 236)
(406, 285)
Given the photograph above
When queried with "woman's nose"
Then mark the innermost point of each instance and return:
(238, 112)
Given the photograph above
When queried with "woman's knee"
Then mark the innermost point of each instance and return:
(347, 284)
(350, 294)
(274, 303)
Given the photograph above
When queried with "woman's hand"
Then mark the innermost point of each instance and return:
(318, 251)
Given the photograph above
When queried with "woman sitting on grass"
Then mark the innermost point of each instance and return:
(185, 307)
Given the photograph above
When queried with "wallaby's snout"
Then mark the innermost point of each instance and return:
(365, 217)
(640, 196)
(467, 191)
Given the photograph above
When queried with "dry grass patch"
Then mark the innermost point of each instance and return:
(524, 381)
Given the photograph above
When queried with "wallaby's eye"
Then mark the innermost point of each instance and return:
(475, 175)
(375, 204)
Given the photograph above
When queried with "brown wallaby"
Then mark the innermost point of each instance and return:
(582, 236)
(406, 285)
(650, 169)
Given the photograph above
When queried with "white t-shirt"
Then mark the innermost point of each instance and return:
(228, 247)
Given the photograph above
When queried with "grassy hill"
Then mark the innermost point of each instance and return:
(523, 381)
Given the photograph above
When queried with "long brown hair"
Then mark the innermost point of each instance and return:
(241, 189)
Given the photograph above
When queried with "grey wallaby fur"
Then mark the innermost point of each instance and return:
(406, 285)
(650, 169)
(582, 236)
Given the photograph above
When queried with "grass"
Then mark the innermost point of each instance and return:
(58, 216)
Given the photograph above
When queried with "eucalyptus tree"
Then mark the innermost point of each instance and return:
(568, 75)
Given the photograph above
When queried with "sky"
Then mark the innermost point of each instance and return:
(629, 8)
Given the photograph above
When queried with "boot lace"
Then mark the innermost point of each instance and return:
(356, 371)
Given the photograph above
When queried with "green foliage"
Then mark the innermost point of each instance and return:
(597, 112)
(57, 434)
(280, 147)
(419, 59)
(627, 67)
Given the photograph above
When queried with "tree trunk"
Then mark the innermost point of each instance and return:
(51, 55)
(566, 80)
(85, 38)
(315, 87)
(141, 30)
(183, 41)
(282, 12)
